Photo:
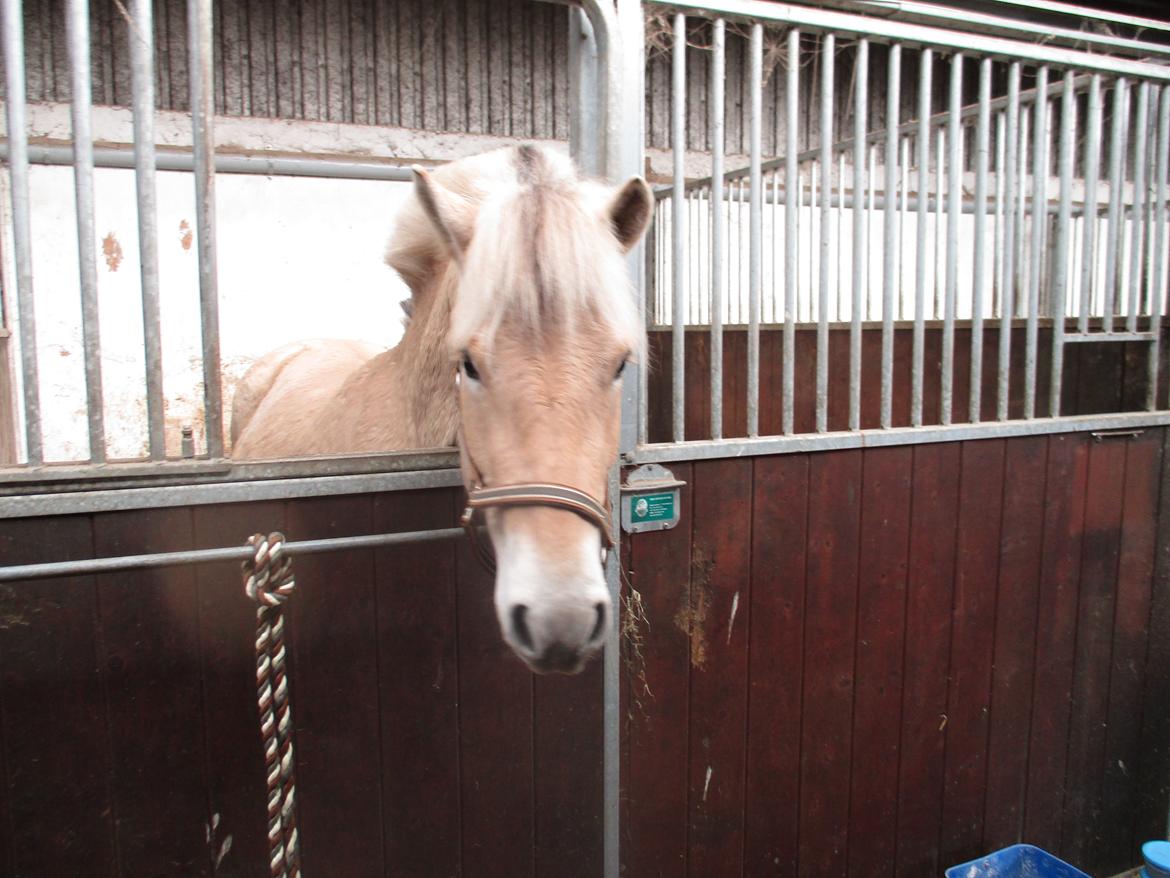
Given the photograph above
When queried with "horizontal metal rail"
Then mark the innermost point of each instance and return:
(90, 566)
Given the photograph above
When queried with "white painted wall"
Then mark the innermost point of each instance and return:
(298, 258)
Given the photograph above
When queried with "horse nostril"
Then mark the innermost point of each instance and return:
(520, 626)
(599, 626)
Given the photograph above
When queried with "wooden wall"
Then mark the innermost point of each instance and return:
(873, 662)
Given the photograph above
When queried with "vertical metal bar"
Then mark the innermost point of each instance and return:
(141, 33)
(1141, 136)
(828, 52)
(1007, 296)
(678, 238)
(77, 29)
(891, 258)
(756, 231)
(1092, 170)
(870, 209)
(717, 229)
(1022, 215)
(954, 213)
(1158, 289)
(1039, 218)
(860, 224)
(839, 230)
(1068, 118)
(792, 187)
(13, 24)
(1000, 171)
(926, 63)
(903, 223)
(982, 157)
(1116, 226)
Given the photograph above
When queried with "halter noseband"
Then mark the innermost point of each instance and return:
(548, 494)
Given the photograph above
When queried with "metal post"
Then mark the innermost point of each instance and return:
(860, 228)
(1008, 290)
(954, 211)
(13, 24)
(1137, 240)
(1116, 227)
(755, 257)
(1158, 289)
(1064, 234)
(1089, 235)
(717, 228)
(792, 187)
(891, 258)
(1039, 217)
(828, 51)
(926, 62)
(982, 155)
(679, 230)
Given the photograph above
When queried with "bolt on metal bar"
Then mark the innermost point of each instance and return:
(791, 229)
(1007, 294)
(679, 230)
(199, 27)
(717, 227)
(1137, 239)
(954, 211)
(828, 60)
(1092, 165)
(1068, 123)
(77, 34)
(891, 257)
(860, 228)
(756, 232)
(982, 156)
(1116, 227)
(13, 26)
(91, 566)
(1039, 199)
(925, 65)
(141, 37)
(1158, 292)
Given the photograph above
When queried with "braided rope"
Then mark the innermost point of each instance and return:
(268, 580)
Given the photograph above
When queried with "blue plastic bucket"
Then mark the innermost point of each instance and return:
(1157, 857)
(1017, 861)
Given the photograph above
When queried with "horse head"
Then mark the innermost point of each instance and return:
(542, 324)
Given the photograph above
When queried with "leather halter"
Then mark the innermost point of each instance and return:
(549, 494)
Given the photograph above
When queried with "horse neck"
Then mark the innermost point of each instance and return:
(426, 374)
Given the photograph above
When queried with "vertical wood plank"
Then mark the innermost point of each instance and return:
(654, 825)
(53, 726)
(969, 696)
(334, 690)
(385, 67)
(227, 635)
(1060, 569)
(779, 542)
(930, 581)
(475, 59)
(495, 734)
(1100, 552)
(719, 614)
(431, 85)
(150, 649)
(418, 687)
(1016, 619)
(499, 67)
(455, 65)
(830, 619)
(361, 59)
(881, 619)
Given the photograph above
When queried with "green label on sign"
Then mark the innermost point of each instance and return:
(652, 507)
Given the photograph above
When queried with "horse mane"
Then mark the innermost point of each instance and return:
(541, 249)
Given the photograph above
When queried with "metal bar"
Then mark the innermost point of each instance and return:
(1007, 295)
(77, 30)
(926, 63)
(13, 25)
(756, 231)
(1116, 227)
(791, 228)
(856, 201)
(1096, 337)
(199, 25)
(91, 566)
(1137, 239)
(979, 281)
(870, 209)
(878, 438)
(998, 246)
(1060, 276)
(679, 230)
(954, 192)
(860, 242)
(141, 37)
(936, 38)
(828, 60)
(891, 258)
(940, 254)
(1039, 197)
(717, 228)
(1092, 163)
(903, 222)
(1158, 281)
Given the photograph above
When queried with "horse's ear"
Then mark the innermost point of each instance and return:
(629, 211)
(448, 213)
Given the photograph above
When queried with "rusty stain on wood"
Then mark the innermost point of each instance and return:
(692, 613)
(112, 250)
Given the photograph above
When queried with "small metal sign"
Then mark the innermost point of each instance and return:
(650, 499)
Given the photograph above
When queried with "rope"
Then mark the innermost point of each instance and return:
(268, 580)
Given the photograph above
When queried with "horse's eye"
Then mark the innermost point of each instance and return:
(469, 368)
(621, 370)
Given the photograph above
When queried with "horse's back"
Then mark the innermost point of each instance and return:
(280, 398)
